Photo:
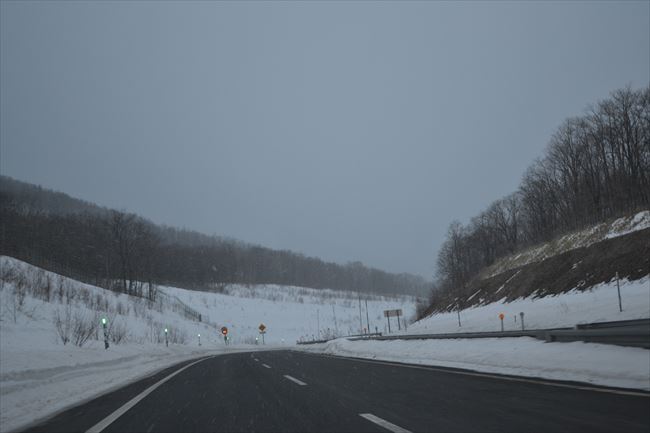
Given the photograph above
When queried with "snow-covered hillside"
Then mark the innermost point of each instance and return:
(290, 313)
(38, 310)
(598, 304)
(581, 238)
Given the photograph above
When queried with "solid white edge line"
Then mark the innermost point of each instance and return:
(383, 423)
(266, 366)
(293, 379)
(129, 404)
(539, 381)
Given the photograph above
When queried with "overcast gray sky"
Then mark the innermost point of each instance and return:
(348, 131)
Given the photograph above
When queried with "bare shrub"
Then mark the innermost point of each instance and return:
(84, 295)
(20, 291)
(70, 292)
(83, 327)
(46, 289)
(60, 290)
(177, 336)
(63, 324)
(118, 332)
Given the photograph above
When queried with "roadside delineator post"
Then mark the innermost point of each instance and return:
(105, 333)
(618, 288)
(522, 320)
(166, 340)
(199, 339)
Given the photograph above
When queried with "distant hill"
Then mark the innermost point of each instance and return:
(126, 252)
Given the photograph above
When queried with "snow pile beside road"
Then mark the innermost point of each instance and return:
(599, 364)
(76, 374)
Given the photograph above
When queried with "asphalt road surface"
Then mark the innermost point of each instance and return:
(276, 391)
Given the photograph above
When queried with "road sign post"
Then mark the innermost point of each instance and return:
(393, 313)
(501, 316)
(224, 332)
(262, 329)
(522, 320)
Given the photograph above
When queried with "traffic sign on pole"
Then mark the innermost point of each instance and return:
(262, 329)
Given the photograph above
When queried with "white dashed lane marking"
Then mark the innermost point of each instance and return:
(294, 380)
(385, 424)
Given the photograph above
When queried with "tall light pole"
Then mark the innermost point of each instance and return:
(360, 320)
(367, 317)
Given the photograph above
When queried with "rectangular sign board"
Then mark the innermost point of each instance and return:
(392, 313)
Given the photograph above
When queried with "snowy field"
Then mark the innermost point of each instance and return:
(39, 375)
(291, 313)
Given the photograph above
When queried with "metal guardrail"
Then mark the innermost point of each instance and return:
(349, 337)
(616, 324)
(313, 341)
(535, 333)
(634, 333)
(633, 338)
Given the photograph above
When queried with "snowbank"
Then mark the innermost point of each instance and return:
(600, 364)
(75, 375)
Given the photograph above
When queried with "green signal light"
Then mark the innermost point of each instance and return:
(165, 330)
(103, 320)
